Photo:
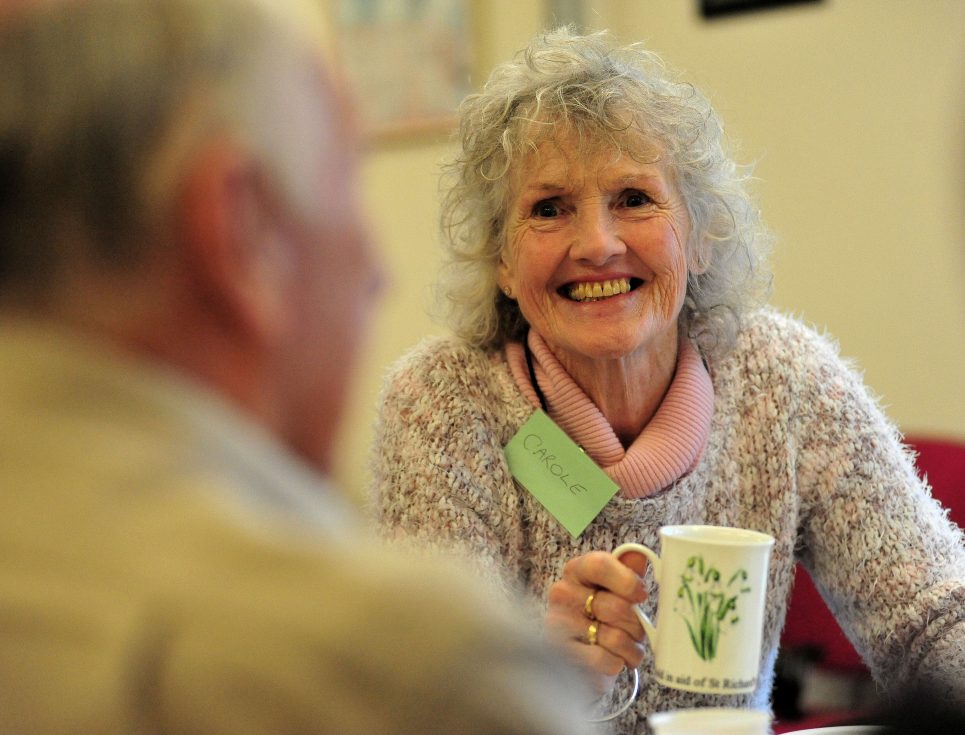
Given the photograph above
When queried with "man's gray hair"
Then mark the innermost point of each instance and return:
(622, 98)
(103, 103)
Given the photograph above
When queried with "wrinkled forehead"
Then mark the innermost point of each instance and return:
(612, 126)
(553, 149)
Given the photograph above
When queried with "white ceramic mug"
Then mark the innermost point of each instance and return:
(712, 585)
(715, 720)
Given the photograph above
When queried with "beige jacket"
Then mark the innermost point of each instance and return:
(167, 568)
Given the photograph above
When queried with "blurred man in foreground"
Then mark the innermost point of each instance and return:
(184, 279)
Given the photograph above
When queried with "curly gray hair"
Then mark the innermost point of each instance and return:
(624, 98)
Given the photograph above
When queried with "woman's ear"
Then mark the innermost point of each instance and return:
(699, 257)
(504, 275)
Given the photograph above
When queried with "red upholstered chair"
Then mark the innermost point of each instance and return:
(812, 644)
(943, 462)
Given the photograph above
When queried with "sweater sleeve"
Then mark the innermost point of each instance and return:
(440, 479)
(884, 554)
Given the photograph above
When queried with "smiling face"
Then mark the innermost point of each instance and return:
(596, 254)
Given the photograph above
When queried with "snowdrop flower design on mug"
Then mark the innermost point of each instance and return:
(707, 604)
(711, 589)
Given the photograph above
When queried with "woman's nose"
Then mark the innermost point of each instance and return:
(597, 239)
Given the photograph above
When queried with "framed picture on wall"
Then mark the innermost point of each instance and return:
(717, 8)
(408, 61)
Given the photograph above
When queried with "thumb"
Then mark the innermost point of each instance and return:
(635, 560)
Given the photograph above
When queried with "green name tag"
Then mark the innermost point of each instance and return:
(558, 473)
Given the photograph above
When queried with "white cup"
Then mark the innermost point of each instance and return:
(712, 584)
(711, 721)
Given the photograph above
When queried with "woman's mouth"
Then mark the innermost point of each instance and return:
(598, 290)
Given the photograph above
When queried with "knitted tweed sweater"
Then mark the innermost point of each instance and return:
(797, 449)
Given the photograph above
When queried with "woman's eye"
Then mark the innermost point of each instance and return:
(635, 199)
(546, 209)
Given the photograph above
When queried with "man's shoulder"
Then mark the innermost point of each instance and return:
(190, 598)
(424, 633)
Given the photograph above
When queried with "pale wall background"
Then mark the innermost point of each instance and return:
(854, 111)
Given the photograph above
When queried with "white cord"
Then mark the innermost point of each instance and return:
(626, 705)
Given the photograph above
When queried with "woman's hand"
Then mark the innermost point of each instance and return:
(616, 586)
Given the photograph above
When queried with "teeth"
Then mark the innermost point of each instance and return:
(599, 289)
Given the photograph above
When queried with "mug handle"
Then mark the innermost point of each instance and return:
(622, 549)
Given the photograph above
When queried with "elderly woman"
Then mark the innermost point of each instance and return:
(605, 265)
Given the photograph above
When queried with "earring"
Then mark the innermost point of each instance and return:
(508, 291)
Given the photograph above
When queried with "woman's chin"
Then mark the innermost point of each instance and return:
(605, 348)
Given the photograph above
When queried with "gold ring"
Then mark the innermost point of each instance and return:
(588, 606)
(591, 634)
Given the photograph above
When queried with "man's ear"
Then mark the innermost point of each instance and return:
(232, 252)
